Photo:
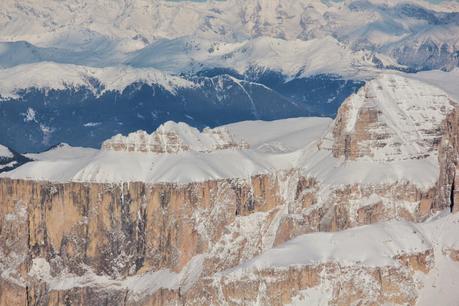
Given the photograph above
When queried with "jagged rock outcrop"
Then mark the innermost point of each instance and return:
(173, 137)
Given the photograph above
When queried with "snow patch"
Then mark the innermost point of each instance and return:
(138, 285)
(30, 115)
(5, 152)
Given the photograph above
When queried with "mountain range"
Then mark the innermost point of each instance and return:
(238, 152)
(71, 74)
(360, 209)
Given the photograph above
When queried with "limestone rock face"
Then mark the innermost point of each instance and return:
(390, 118)
(448, 148)
(173, 137)
(96, 243)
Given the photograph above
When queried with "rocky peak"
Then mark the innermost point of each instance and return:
(390, 118)
(172, 137)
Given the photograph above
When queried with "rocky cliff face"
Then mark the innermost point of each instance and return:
(283, 236)
(162, 244)
(391, 118)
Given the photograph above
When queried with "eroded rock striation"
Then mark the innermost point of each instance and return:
(173, 137)
(391, 118)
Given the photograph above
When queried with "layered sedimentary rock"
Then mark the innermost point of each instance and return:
(391, 118)
(173, 137)
(165, 243)
(290, 232)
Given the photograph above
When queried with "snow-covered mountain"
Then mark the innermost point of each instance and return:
(206, 63)
(359, 209)
(172, 137)
(189, 36)
(74, 31)
(390, 118)
(392, 124)
(195, 174)
(46, 103)
(53, 76)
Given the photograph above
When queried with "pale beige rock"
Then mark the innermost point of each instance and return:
(173, 137)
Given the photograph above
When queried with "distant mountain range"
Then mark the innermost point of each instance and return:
(71, 74)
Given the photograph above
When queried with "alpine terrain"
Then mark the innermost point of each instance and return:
(232, 152)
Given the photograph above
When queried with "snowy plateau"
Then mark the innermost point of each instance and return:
(232, 152)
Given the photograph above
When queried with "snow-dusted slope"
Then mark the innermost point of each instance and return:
(50, 75)
(62, 151)
(442, 79)
(376, 245)
(281, 135)
(59, 163)
(10, 159)
(290, 57)
(187, 36)
(345, 247)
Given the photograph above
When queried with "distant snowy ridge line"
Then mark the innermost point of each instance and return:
(189, 55)
(55, 76)
(188, 34)
(292, 58)
(47, 75)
